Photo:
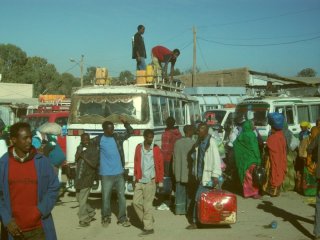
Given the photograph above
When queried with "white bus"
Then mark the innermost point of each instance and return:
(144, 107)
(294, 109)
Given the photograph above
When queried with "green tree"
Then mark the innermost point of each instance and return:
(126, 77)
(12, 61)
(88, 78)
(43, 75)
(307, 72)
(66, 82)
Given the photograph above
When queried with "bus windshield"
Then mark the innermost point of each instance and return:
(256, 111)
(96, 109)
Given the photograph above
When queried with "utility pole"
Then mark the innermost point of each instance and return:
(194, 56)
(81, 70)
(80, 64)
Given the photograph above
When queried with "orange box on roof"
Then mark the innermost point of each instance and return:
(51, 98)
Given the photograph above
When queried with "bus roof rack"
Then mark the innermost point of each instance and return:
(174, 85)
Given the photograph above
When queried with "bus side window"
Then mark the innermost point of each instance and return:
(191, 113)
(315, 112)
(156, 110)
(289, 115)
(171, 109)
(178, 112)
(184, 112)
(164, 110)
(303, 113)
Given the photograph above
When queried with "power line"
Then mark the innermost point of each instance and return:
(259, 19)
(175, 36)
(259, 45)
(202, 56)
(267, 38)
(187, 45)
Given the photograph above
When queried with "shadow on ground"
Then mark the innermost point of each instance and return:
(294, 219)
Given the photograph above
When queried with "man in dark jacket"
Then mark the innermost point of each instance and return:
(87, 158)
(138, 49)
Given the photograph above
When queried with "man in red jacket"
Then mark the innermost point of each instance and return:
(148, 171)
(168, 139)
(162, 55)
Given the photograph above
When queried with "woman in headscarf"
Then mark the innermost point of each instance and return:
(276, 159)
(312, 157)
(289, 181)
(309, 178)
(302, 154)
(247, 156)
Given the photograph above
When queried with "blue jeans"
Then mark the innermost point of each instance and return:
(316, 229)
(108, 183)
(141, 65)
(201, 189)
(182, 200)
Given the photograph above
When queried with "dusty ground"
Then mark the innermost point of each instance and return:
(294, 214)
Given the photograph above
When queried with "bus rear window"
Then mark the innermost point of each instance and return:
(257, 111)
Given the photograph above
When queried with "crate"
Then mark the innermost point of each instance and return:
(101, 73)
(150, 74)
(141, 77)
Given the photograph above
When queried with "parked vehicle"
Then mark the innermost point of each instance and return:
(221, 117)
(143, 107)
(59, 117)
(294, 109)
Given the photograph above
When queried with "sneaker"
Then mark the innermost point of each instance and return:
(146, 233)
(105, 222)
(163, 207)
(84, 224)
(192, 226)
(125, 223)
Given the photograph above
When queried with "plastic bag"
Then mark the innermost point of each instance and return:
(294, 143)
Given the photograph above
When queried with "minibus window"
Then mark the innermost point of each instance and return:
(164, 110)
(178, 112)
(156, 111)
(171, 108)
(315, 112)
(289, 115)
(303, 114)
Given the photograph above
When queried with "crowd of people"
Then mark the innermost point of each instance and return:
(184, 165)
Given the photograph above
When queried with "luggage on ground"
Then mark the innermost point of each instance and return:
(217, 207)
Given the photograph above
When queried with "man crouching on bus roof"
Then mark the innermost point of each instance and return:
(112, 171)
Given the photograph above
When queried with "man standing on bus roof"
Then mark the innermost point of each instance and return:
(138, 49)
(162, 55)
(112, 171)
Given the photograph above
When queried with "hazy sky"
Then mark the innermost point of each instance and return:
(276, 36)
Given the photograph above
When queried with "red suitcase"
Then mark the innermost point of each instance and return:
(217, 207)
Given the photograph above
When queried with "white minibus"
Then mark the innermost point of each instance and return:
(144, 107)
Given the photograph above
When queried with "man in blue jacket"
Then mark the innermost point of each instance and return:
(28, 189)
(112, 171)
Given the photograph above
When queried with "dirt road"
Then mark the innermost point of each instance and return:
(293, 213)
